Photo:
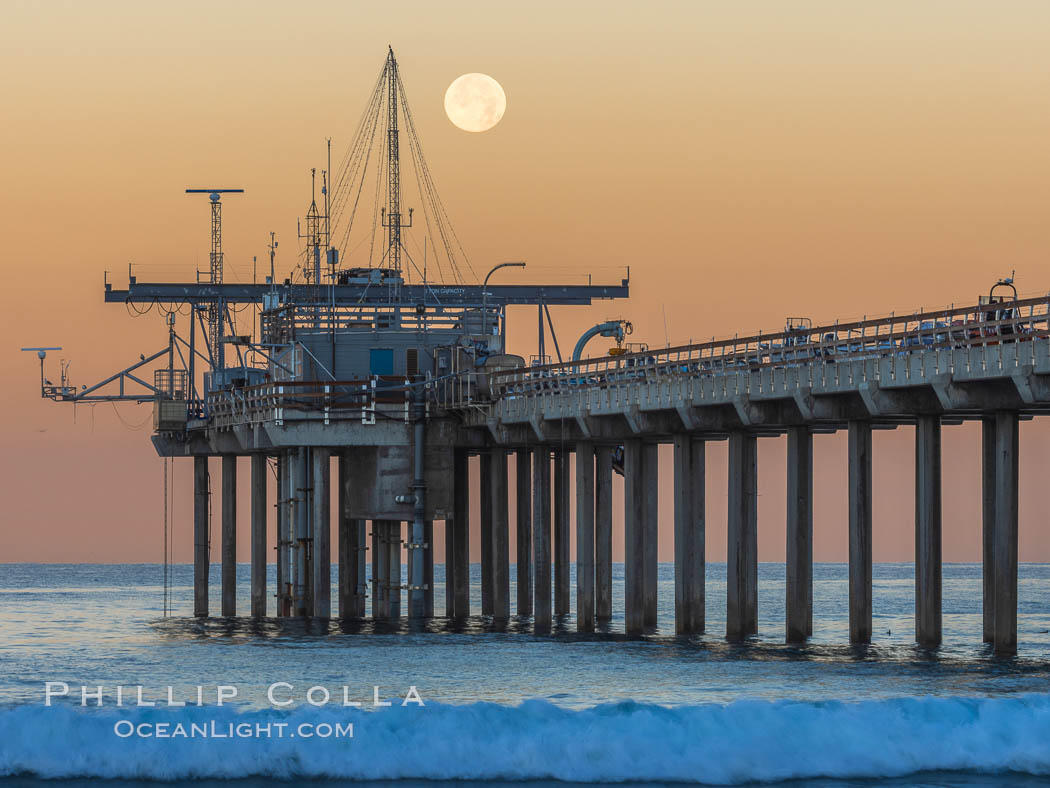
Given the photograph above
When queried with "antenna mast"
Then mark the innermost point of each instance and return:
(217, 308)
(392, 220)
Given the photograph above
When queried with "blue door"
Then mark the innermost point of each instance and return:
(381, 361)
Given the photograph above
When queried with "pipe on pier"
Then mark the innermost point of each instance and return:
(799, 569)
(585, 536)
(201, 546)
(523, 527)
(1005, 537)
(742, 558)
(302, 588)
(603, 535)
(689, 534)
(541, 539)
(928, 531)
(561, 531)
(860, 531)
(500, 538)
(321, 563)
(258, 540)
(229, 535)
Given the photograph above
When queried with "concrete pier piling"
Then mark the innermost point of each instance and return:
(561, 531)
(634, 536)
(394, 545)
(500, 540)
(285, 532)
(258, 535)
(302, 587)
(485, 519)
(541, 539)
(321, 563)
(651, 473)
(352, 551)
(229, 535)
(689, 534)
(458, 594)
(428, 569)
(860, 531)
(523, 528)
(988, 509)
(585, 536)
(928, 530)
(201, 545)
(742, 545)
(1005, 536)
(799, 554)
(380, 567)
(603, 472)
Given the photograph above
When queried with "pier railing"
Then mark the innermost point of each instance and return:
(896, 335)
(388, 396)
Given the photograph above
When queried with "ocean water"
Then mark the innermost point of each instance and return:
(501, 704)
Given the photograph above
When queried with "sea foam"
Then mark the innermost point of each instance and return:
(714, 744)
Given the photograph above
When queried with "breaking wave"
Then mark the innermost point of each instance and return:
(742, 741)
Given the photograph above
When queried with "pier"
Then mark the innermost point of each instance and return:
(398, 391)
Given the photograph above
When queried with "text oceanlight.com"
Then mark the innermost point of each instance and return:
(230, 730)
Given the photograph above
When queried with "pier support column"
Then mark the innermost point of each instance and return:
(302, 585)
(458, 581)
(603, 535)
(322, 535)
(1005, 538)
(634, 536)
(393, 594)
(585, 536)
(742, 546)
(352, 550)
(283, 575)
(561, 532)
(689, 534)
(201, 546)
(485, 517)
(651, 471)
(258, 500)
(428, 568)
(380, 568)
(541, 538)
(799, 570)
(523, 474)
(229, 535)
(988, 485)
(500, 520)
(860, 531)
(928, 530)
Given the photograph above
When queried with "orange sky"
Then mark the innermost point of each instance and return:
(747, 160)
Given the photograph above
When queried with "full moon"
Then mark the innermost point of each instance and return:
(475, 102)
